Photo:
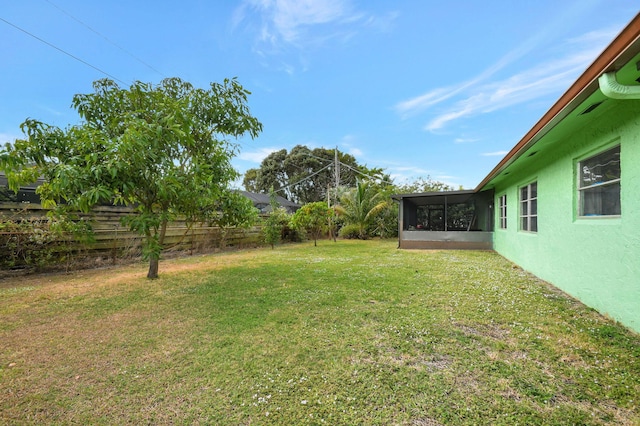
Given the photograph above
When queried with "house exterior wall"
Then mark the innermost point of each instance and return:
(596, 260)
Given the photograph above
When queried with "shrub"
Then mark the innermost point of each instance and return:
(274, 225)
(291, 235)
(351, 232)
(36, 243)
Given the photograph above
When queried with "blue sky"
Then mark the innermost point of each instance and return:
(417, 87)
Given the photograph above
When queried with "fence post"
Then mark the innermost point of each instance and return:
(115, 244)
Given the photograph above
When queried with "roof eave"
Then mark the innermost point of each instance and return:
(618, 53)
(433, 194)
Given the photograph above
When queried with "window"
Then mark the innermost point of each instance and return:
(529, 207)
(503, 211)
(599, 184)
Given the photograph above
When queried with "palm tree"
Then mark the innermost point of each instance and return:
(360, 206)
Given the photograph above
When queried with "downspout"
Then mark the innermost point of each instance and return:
(612, 89)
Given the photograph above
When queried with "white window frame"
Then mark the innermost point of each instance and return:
(502, 211)
(528, 207)
(580, 189)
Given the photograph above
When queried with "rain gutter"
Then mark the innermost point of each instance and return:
(615, 56)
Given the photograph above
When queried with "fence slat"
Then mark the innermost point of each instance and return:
(113, 241)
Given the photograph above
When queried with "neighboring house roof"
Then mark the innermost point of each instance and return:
(26, 193)
(265, 199)
(574, 107)
(5, 182)
(262, 200)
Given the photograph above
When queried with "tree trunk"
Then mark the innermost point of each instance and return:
(153, 268)
(154, 259)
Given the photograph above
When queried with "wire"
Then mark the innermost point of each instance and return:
(63, 51)
(319, 158)
(366, 175)
(331, 162)
(349, 167)
(306, 178)
(105, 38)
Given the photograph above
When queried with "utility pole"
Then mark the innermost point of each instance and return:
(337, 168)
(336, 175)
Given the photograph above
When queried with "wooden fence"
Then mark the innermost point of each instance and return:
(111, 241)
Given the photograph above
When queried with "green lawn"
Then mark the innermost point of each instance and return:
(344, 333)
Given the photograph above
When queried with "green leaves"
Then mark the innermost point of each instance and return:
(162, 148)
(303, 175)
(313, 218)
(361, 206)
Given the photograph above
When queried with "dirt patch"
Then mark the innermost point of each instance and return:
(90, 279)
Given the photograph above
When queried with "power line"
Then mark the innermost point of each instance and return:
(319, 158)
(340, 163)
(366, 175)
(304, 179)
(63, 51)
(105, 38)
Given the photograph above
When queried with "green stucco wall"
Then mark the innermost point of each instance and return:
(596, 260)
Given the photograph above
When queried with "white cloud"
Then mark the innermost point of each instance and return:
(598, 37)
(495, 154)
(282, 25)
(464, 108)
(256, 156)
(479, 95)
(356, 152)
(424, 101)
(348, 143)
(441, 94)
(382, 23)
(290, 17)
(465, 140)
(548, 77)
(409, 169)
(288, 20)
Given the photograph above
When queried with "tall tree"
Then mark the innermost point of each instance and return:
(302, 175)
(162, 149)
(250, 180)
(271, 176)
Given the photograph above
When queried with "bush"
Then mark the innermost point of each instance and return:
(351, 232)
(38, 243)
(386, 224)
(291, 235)
(277, 226)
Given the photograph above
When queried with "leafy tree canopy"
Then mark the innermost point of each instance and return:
(424, 185)
(163, 149)
(313, 218)
(302, 175)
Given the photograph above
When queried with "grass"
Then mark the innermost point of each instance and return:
(343, 333)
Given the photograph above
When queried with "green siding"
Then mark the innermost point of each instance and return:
(596, 260)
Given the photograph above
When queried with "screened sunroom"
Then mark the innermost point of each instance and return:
(446, 220)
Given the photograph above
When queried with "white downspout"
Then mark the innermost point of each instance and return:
(612, 89)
